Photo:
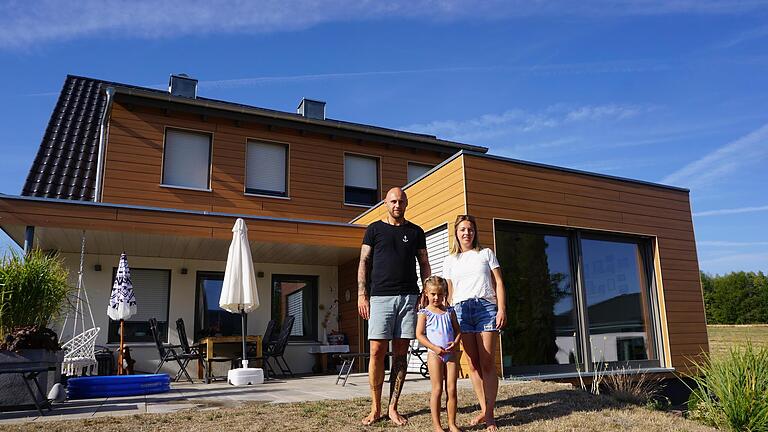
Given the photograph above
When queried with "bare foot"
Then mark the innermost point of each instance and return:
(372, 418)
(480, 418)
(396, 418)
(454, 428)
(437, 429)
(491, 426)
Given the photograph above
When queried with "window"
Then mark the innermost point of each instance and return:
(536, 266)
(210, 319)
(361, 180)
(266, 171)
(616, 290)
(547, 332)
(187, 159)
(416, 170)
(152, 289)
(297, 296)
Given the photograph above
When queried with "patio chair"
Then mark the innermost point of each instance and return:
(269, 336)
(275, 348)
(197, 352)
(168, 352)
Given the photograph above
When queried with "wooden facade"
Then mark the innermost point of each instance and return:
(134, 159)
(498, 189)
(493, 188)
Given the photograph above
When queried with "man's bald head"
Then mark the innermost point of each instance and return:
(396, 202)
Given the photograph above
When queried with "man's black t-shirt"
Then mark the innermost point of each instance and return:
(393, 269)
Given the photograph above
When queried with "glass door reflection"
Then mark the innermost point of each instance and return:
(542, 335)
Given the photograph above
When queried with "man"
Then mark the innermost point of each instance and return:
(388, 259)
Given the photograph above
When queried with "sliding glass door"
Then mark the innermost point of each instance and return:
(541, 334)
(574, 298)
(617, 297)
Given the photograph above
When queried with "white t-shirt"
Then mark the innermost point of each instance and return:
(470, 273)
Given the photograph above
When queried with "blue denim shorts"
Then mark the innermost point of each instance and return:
(476, 315)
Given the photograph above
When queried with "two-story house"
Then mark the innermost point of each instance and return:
(598, 268)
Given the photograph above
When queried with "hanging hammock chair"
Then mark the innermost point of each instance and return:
(79, 351)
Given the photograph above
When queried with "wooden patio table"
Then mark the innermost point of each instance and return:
(210, 343)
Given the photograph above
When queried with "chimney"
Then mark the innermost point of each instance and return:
(313, 109)
(182, 85)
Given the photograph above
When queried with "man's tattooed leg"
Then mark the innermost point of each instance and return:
(397, 378)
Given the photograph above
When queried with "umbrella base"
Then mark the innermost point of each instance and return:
(245, 376)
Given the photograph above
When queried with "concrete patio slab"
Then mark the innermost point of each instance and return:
(198, 396)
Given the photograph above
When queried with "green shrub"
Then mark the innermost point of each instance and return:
(33, 290)
(732, 392)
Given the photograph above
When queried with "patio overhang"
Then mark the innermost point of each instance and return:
(171, 233)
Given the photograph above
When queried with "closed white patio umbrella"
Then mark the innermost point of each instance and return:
(239, 292)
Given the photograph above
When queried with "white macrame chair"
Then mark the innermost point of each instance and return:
(80, 350)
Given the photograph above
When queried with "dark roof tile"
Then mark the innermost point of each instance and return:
(67, 153)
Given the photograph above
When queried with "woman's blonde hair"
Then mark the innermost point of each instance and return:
(456, 246)
(438, 282)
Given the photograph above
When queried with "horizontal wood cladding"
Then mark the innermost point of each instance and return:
(433, 200)
(133, 167)
(116, 219)
(349, 319)
(507, 190)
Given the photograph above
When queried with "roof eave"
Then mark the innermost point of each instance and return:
(402, 137)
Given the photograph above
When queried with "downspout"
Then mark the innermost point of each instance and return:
(110, 92)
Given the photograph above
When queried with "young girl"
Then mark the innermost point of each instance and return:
(438, 330)
(476, 290)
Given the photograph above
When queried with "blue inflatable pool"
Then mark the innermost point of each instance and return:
(117, 385)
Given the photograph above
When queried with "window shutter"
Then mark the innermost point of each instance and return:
(417, 170)
(295, 307)
(266, 167)
(437, 250)
(361, 172)
(151, 290)
(186, 159)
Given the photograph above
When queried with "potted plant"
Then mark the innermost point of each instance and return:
(33, 291)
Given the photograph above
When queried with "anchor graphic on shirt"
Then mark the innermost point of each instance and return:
(405, 239)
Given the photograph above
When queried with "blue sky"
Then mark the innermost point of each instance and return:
(670, 91)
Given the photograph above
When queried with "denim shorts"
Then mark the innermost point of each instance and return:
(393, 317)
(476, 315)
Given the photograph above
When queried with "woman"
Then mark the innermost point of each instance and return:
(476, 290)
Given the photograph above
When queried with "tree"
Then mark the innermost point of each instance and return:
(736, 298)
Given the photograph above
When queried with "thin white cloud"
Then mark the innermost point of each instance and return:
(517, 121)
(26, 23)
(729, 211)
(610, 165)
(599, 112)
(745, 36)
(736, 262)
(248, 82)
(749, 149)
(722, 243)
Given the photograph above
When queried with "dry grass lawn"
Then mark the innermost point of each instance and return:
(724, 337)
(529, 406)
